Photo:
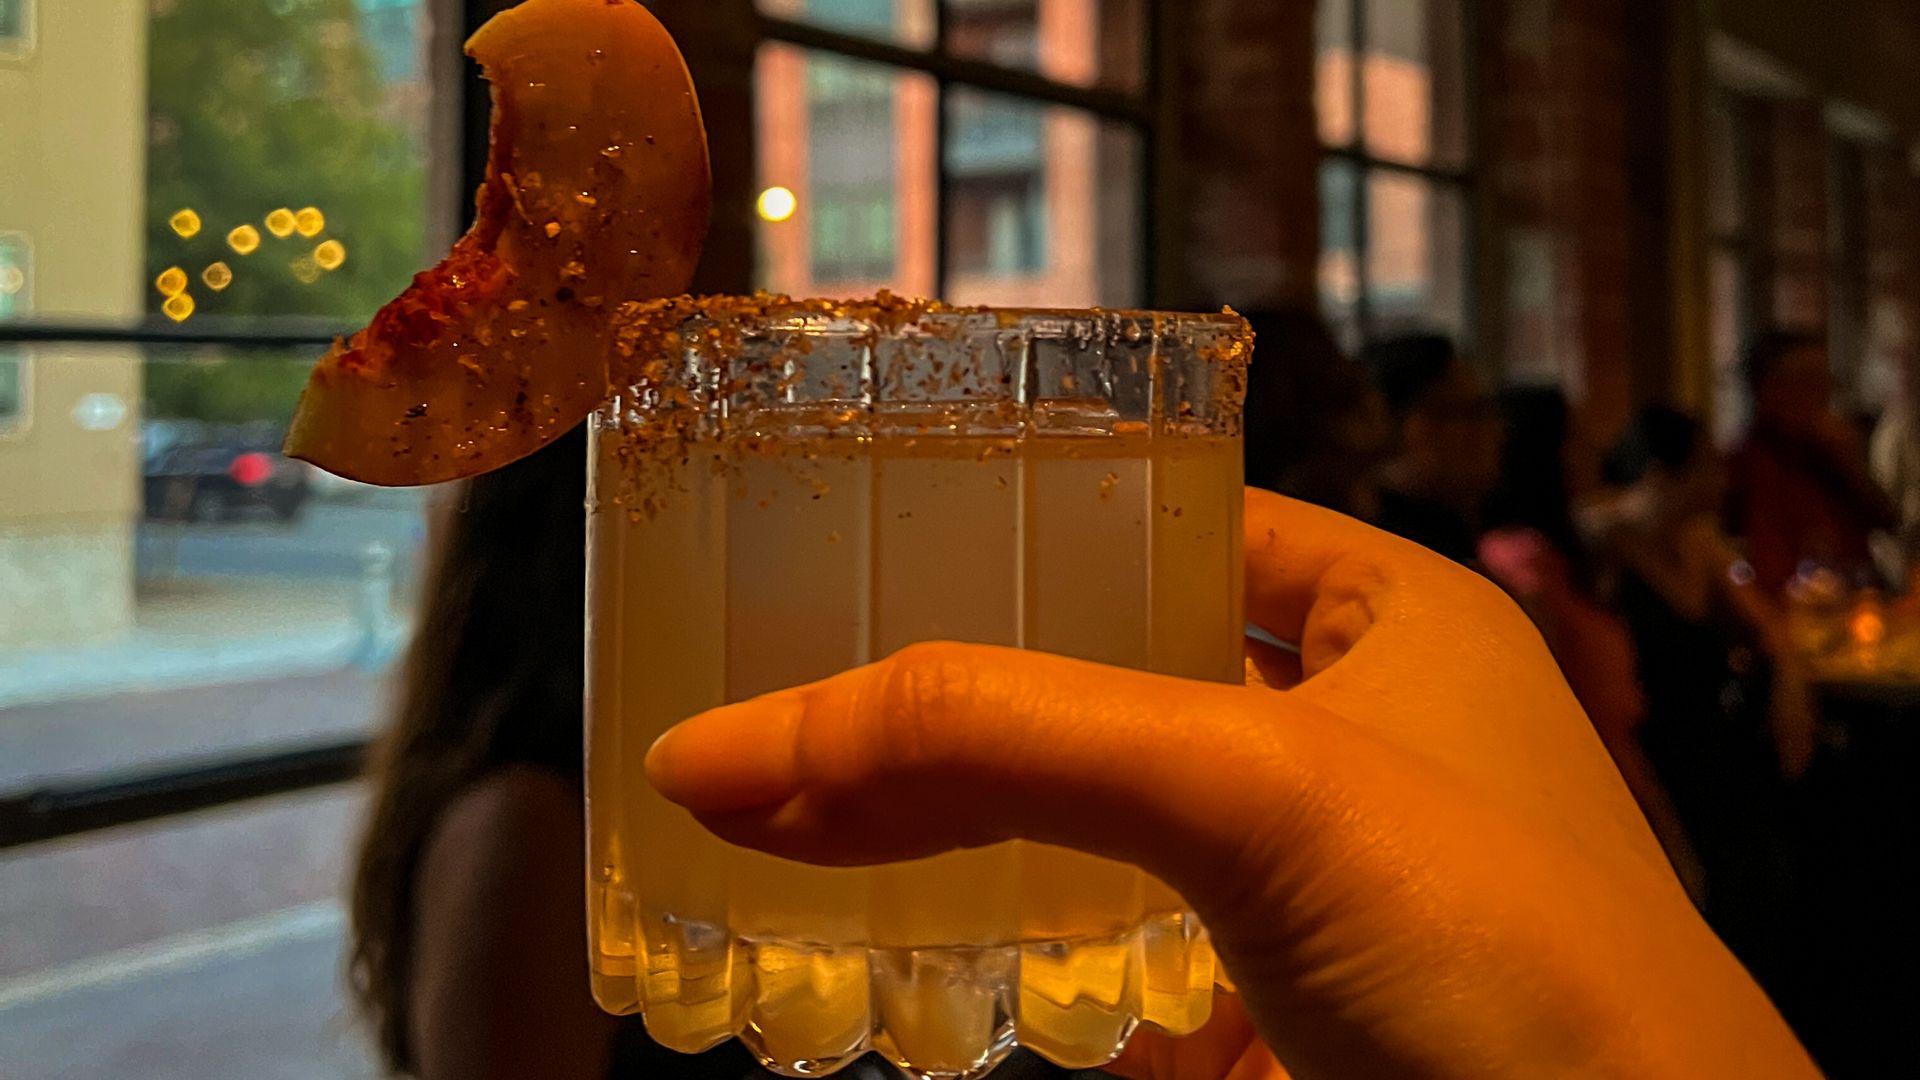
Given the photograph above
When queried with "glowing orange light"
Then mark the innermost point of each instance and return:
(171, 282)
(281, 223)
(186, 223)
(245, 239)
(179, 307)
(310, 221)
(218, 276)
(330, 255)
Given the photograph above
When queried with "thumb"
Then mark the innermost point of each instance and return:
(945, 746)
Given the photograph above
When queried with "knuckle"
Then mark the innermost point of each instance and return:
(926, 687)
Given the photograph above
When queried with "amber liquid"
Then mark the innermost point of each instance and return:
(767, 569)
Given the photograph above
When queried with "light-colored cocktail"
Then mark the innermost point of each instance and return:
(796, 491)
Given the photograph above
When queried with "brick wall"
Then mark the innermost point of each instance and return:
(1246, 206)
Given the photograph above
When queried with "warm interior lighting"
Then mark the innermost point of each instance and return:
(777, 204)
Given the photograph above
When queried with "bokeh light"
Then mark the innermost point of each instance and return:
(245, 239)
(777, 204)
(330, 255)
(218, 276)
(305, 269)
(171, 282)
(186, 224)
(310, 221)
(179, 307)
(282, 223)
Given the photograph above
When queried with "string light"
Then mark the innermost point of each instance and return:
(330, 255)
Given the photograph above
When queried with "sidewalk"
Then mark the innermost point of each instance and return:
(208, 631)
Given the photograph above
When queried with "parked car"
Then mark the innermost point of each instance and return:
(210, 472)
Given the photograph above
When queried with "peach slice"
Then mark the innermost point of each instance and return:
(597, 193)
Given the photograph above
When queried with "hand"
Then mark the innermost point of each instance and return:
(1418, 863)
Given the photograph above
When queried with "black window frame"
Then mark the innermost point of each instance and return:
(1463, 180)
(1136, 110)
(52, 811)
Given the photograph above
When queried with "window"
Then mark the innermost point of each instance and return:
(1390, 86)
(987, 151)
(187, 618)
(16, 28)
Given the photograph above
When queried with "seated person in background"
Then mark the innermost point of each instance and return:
(1315, 428)
(1726, 712)
(469, 899)
(1534, 551)
(1446, 449)
(1801, 490)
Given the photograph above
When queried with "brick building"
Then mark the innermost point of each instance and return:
(1609, 194)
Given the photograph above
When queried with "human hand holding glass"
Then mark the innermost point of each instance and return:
(1418, 862)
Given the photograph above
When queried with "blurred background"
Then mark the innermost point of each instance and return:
(1601, 202)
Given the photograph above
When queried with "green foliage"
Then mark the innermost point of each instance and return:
(214, 388)
(261, 104)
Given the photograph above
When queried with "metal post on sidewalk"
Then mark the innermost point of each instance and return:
(373, 606)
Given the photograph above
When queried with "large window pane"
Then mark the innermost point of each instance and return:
(1043, 205)
(203, 947)
(1080, 42)
(1413, 81)
(1416, 248)
(173, 589)
(903, 22)
(1333, 71)
(847, 173)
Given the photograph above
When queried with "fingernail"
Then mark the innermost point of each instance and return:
(736, 757)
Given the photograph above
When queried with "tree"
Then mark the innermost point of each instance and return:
(262, 104)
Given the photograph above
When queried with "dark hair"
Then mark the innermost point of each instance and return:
(1532, 492)
(1407, 368)
(1300, 384)
(1657, 435)
(1765, 353)
(493, 678)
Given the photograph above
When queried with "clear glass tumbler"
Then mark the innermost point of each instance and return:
(793, 488)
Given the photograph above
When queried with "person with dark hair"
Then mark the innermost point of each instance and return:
(1315, 427)
(1446, 454)
(1727, 717)
(1801, 489)
(1534, 550)
(468, 951)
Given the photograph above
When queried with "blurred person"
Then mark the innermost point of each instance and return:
(1446, 443)
(1894, 453)
(1534, 550)
(1728, 718)
(1411, 854)
(1316, 429)
(1801, 490)
(468, 938)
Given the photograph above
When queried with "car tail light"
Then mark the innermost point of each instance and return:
(251, 470)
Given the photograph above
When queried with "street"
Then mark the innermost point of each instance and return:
(325, 541)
